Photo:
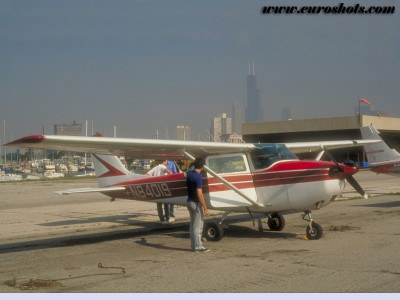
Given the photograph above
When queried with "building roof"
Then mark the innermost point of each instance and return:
(323, 129)
(321, 124)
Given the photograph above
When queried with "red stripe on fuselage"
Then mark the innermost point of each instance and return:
(240, 181)
(150, 179)
(291, 177)
(154, 188)
(265, 178)
(389, 168)
(281, 173)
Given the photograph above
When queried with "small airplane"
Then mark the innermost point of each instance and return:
(253, 178)
(381, 158)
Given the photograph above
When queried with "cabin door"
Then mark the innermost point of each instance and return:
(234, 168)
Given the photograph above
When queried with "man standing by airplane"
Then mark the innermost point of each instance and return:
(196, 205)
(161, 170)
(172, 167)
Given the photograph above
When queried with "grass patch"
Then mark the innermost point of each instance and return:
(11, 282)
(38, 284)
(342, 228)
(32, 284)
(390, 272)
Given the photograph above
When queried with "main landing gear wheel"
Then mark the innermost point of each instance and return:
(314, 231)
(276, 222)
(213, 231)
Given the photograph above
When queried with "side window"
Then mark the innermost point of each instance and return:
(227, 164)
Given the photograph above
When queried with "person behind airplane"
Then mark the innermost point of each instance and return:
(172, 167)
(196, 205)
(160, 170)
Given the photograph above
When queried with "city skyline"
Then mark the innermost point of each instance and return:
(146, 66)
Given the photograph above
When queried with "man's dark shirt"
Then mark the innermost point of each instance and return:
(194, 181)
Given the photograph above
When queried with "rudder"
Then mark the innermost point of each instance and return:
(379, 152)
(110, 170)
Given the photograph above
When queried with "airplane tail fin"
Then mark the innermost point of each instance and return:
(110, 171)
(379, 152)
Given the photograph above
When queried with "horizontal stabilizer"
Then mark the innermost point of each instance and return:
(91, 190)
(304, 147)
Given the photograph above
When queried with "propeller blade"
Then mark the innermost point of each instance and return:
(350, 179)
(333, 159)
(353, 182)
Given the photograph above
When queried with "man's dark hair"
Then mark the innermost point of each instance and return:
(199, 163)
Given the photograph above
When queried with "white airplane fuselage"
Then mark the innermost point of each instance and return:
(285, 186)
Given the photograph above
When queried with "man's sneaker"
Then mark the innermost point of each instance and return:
(164, 222)
(204, 250)
(171, 220)
(172, 216)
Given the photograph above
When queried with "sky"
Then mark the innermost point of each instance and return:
(146, 66)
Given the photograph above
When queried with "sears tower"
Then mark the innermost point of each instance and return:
(254, 112)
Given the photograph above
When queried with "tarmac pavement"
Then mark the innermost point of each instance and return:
(85, 243)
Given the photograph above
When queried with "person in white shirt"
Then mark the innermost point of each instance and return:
(161, 170)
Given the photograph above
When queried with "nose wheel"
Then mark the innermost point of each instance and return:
(314, 231)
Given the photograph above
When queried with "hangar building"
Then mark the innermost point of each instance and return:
(325, 129)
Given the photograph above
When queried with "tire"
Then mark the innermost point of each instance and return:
(276, 222)
(315, 233)
(213, 231)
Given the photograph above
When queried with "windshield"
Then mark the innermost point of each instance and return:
(266, 154)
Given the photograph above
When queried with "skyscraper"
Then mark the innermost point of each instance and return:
(75, 129)
(182, 133)
(221, 125)
(287, 113)
(254, 112)
(237, 118)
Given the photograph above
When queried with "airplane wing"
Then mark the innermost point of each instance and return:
(138, 148)
(170, 149)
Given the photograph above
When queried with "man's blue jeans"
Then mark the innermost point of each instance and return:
(161, 212)
(196, 224)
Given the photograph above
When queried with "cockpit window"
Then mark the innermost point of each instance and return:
(227, 164)
(266, 154)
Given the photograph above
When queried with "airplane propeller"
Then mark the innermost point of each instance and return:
(350, 179)
(353, 182)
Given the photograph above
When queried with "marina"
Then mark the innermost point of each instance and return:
(44, 169)
(64, 167)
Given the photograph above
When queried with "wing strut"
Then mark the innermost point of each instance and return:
(231, 186)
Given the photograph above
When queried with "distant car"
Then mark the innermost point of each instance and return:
(136, 165)
(349, 162)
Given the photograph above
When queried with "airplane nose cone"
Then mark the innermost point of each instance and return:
(347, 172)
(342, 171)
